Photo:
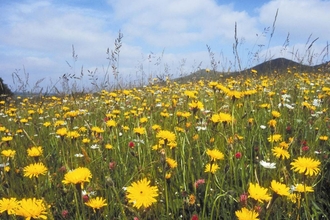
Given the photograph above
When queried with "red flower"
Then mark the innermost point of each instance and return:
(288, 129)
(131, 144)
(199, 182)
(243, 199)
(112, 165)
(62, 169)
(194, 217)
(305, 148)
(65, 213)
(238, 155)
(258, 209)
(85, 198)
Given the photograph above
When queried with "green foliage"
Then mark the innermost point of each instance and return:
(117, 155)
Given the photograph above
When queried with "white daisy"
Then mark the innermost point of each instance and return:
(267, 164)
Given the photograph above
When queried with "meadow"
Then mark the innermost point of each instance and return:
(252, 146)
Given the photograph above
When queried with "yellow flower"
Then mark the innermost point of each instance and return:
(34, 170)
(73, 134)
(171, 163)
(166, 135)
(61, 132)
(9, 205)
(323, 138)
(272, 123)
(196, 105)
(32, 209)
(111, 123)
(270, 94)
(264, 106)
(140, 193)
(254, 71)
(284, 145)
(79, 175)
(192, 199)
(165, 114)
(308, 106)
(71, 114)
(245, 214)
(108, 146)
(191, 94)
(225, 118)
(156, 147)
(96, 203)
(215, 154)
(279, 152)
(156, 127)
(172, 144)
(97, 129)
(276, 114)
(8, 153)
(86, 140)
(125, 128)
(116, 112)
(139, 131)
(7, 138)
(235, 94)
(195, 137)
(143, 120)
(294, 197)
(306, 165)
(274, 138)
(34, 151)
(211, 168)
(258, 193)
(168, 175)
(302, 188)
(215, 118)
(6, 169)
(23, 120)
(179, 129)
(65, 108)
(46, 124)
(185, 114)
(279, 188)
(82, 129)
(59, 123)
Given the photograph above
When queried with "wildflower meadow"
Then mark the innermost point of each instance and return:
(252, 146)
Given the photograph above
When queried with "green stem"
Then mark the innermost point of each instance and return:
(77, 200)
(166, 196)
(119, 202)
(206, 192)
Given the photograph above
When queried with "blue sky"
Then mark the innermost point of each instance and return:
(37, 36)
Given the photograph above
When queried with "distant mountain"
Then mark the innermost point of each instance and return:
(279, 65)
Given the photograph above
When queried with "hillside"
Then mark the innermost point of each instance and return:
(279, 65)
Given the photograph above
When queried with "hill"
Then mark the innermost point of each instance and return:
(279, 65)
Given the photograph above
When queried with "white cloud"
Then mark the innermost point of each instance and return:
(180, 23)
(299, 17)
(304, 21)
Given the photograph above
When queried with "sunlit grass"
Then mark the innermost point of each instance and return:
(249, 145)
